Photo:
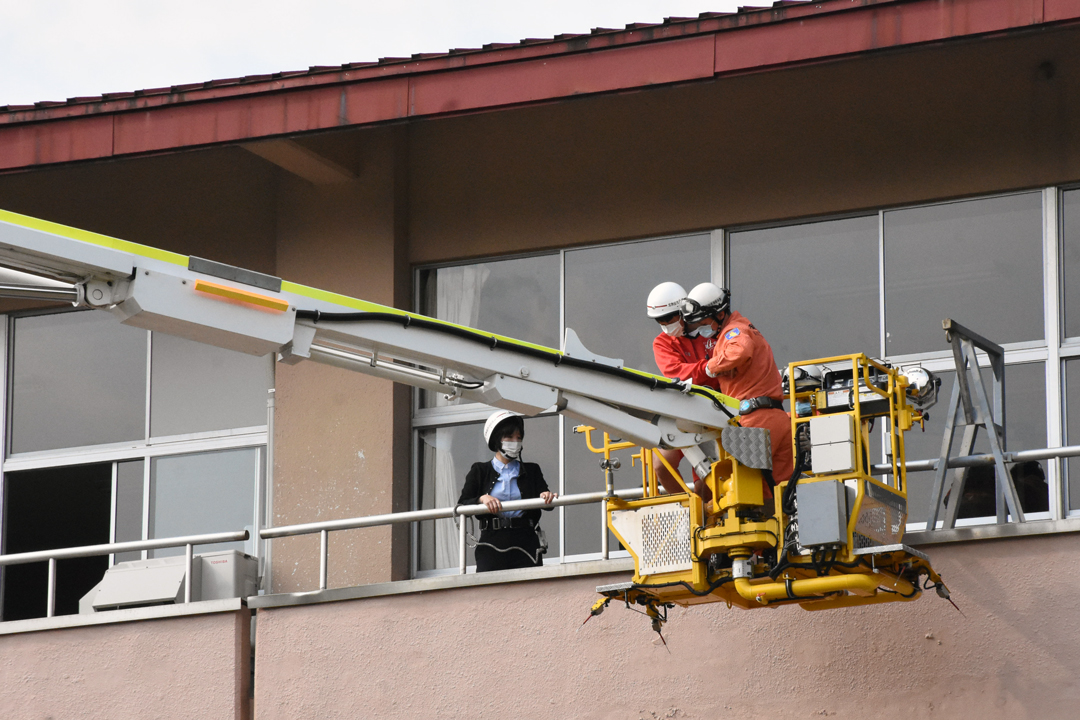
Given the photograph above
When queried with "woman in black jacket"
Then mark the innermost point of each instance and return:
(507, 539)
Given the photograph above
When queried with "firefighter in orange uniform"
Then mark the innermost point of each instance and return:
(743, 365)
(679, 357)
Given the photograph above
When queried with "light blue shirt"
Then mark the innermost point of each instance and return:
(506, 487)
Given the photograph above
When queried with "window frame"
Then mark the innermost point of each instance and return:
(1053, 351)
(147, 448)
(427, 418)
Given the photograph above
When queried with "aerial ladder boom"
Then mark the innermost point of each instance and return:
(259, 314)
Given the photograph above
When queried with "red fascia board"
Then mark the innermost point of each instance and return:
(56, 142)
(872, 29)
(158, 97)
(470, 82)
(259, 116)
(565, 76)
(1057, 10)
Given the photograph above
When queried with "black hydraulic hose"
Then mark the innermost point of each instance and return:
(688, 586)
(493, 342)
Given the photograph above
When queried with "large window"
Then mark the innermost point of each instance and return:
(600, 292)
(879, 283)
(882, 284)
(811, 289)
(117, 434)
(978, 262)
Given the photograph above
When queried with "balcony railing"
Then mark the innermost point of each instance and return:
(187, 542)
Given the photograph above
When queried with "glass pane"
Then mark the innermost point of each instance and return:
(129, 506)
(518, 298)
(54, 508)
(1025, 429)
(1070, 213)
(77, 379)
(1072, 429)
(585, 524)
(446, 454)
(811, 289)
(197, 388)
(606, 289)
(977, 262)
(203, 493)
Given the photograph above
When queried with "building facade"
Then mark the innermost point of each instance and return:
(854, 172)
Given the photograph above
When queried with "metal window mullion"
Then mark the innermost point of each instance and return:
(9, 379)
(414, 447)
(718, 251)
(562, 421)
(1052, 295)
(414, 495)
(112, 512)
(886, 446)
(256, 521)
(149, 369)
(882, 336)
(146, 503)
(562, 489)
(5, 366)
(134, 452)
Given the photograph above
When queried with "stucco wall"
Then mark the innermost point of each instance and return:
(336, 454)
(518, 651)
(187, 667)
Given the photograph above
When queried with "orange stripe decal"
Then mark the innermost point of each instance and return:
(244, 296)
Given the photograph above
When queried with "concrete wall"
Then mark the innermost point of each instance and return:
(187, 667)
(337, 454)
(518, 651)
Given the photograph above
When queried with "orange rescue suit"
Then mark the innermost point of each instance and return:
(743, 364)
(685, 358)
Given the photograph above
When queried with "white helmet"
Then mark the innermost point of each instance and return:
(704, 301)
(664, 299)
(496, 419)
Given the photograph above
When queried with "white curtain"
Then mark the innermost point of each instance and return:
(457, 294)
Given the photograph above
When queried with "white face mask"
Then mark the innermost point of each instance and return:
(511, 449)
(706, 331)
(675, 329)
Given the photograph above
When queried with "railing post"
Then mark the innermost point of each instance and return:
(324, 541)
(50, 607)
(189, 561)
(461, 545)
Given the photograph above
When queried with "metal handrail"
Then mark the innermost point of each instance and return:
(110, 548)
(438, 514)
(324, 528)
(979, 460)
(188, 541)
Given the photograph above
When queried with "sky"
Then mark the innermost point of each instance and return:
(60, 49)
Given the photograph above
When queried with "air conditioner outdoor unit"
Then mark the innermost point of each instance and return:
(161, 581)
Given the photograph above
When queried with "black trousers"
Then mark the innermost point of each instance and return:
(488, 558)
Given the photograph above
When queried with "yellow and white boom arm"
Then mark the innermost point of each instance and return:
(258, 314)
